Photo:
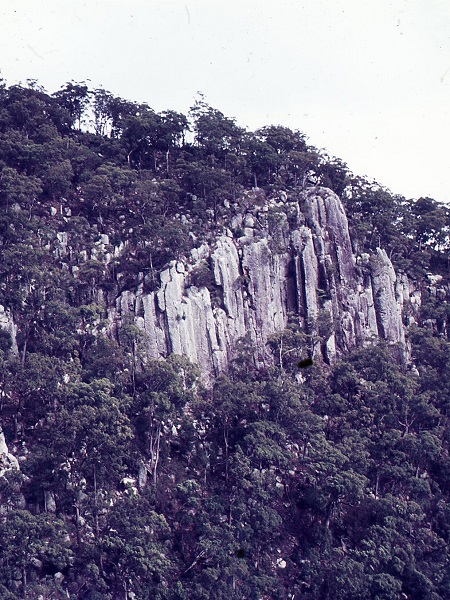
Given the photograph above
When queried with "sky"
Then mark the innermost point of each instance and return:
(368, 80)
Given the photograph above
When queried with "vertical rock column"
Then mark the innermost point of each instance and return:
(388, 307)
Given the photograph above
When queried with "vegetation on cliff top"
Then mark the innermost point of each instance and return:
(135, 481)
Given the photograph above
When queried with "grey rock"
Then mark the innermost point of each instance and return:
(388, 305)
(249, 220)
(308, 269)
(38, 564)
(7, 460)
(49, 501)
(7, 324)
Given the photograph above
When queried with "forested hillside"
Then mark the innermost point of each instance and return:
(123, 477)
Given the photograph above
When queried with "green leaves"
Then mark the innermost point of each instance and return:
(88, 438)
(135, 547)
(31, 543)
(330, 483)
(264, 443)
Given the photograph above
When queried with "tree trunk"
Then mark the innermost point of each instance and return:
(97, 529)
(77, 523)
(167, 162)
(24, 582)
(329, 514)
(156, 461)
(154, 449)
(24, 351)
(225, 438)
(133, 369)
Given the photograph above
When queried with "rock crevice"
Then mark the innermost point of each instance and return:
(306, 267)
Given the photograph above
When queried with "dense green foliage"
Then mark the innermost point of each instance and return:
(135, 481)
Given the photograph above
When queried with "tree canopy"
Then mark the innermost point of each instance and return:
(137, 482)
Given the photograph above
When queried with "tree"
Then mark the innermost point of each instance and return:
(139, 137)
(30, 541)
(334, 174)
(84, 447)
(429, 223)
(75, 98)
(103, 108)
(173, 127)
(107, 189)
(160, 397)
(57, 179)
(215, 134)
(136, 549)
(19, 189)
(28, 287)
(261, 158)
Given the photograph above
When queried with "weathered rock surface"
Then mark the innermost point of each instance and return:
(303, 265)
(7, 460)
(7, 324)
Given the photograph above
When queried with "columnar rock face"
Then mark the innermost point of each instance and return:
(7, 460)
(387, 304)
(293, 258)
(7, 324)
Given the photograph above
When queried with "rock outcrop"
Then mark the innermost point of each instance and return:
(7, 460)
(7, 324)
(284, 257)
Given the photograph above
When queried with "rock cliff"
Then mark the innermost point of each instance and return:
(285, 256)
(7, 460)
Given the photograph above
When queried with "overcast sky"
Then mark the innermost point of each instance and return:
(369, 80)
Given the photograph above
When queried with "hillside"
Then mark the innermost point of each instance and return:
(161, 277)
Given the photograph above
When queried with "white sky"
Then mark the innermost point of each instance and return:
(367, 79)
